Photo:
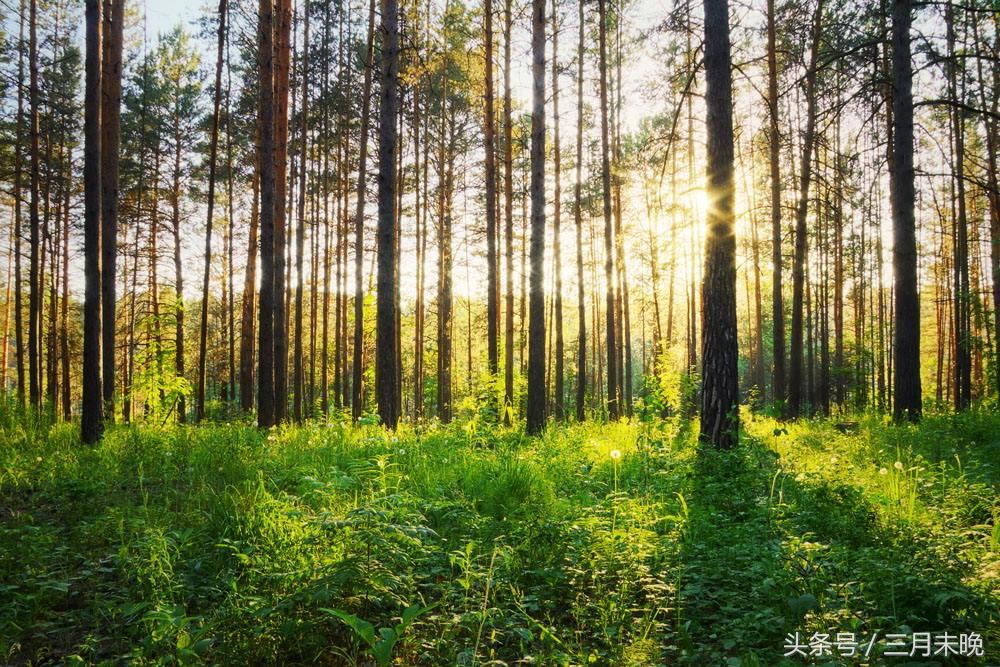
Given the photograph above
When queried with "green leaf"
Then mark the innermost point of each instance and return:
(362, 628)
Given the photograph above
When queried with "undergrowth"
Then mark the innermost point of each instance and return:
(593, 544)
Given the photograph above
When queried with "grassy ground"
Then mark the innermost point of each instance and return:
(465, 545)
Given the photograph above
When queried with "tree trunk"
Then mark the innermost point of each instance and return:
(907, 392)
(265, 311)
(386, 371)
(963, 297)
(34, 285)
(18, 200)
(581, 354)
(557, 316)
(357, 389)
(282, 53)
(111, 83)
(212, 158)
(300, 234)
(249, 298)
(489, 124)
(719, 375)
(91, 422)
(609, 275)
(508, 393)
(774, 146)
(798, 265)
(536, 327)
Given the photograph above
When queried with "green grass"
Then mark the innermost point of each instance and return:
(222, 544)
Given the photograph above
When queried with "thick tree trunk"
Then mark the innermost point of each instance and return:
(91, 422)
(907, 392)
(282, 55)
(536, 327)
(265, 312)
(111, 83)
(386, 371)
(719, 375)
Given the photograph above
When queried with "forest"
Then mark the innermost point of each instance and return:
(499, 332)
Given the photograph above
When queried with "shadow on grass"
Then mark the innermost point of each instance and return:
(765, 552)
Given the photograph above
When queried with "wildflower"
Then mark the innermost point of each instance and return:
(898, 465)
(402, 451)
(883, 471)
(616, 454)
(833, 460)
(38, 459)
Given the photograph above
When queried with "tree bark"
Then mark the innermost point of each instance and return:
(489, 124)
(536, 326)
(798, 265)
(213, 154)
(386, 371)
(111, 83)
(265, 311)
(91, 417)
(907, 392)
(357, 388)
(581, 354)
(719, 375)
(609, 275)
(774, 146)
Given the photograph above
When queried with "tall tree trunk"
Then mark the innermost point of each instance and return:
(386, 372)
(34, 285)
(508, 149)
(907, 392)
(489, 124)
(300, 234)
(963, 297)
(444, 291)
(213, 154)
(536, 330)
(282, 54)
(64, 311)
(357, 388)
(178, 269)
(18, 201)
(111, 83)
(608, 228)
(91, 422)
(556, 228)
(802, 209)
(268, 203)
(719, 375)
(249, 298)
(774, 146)
(581, 354)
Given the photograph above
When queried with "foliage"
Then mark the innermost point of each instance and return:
(224, 544)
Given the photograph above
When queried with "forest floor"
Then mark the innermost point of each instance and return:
(595, 544)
